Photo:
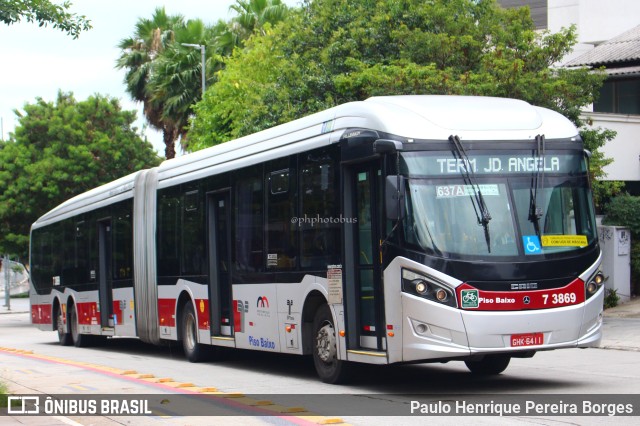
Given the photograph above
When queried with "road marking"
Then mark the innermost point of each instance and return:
(27, 371)
(66, 420)
(235, 398)
(75, 387)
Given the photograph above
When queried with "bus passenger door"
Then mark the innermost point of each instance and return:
(219, 241)
(364, 304)
(105, 290)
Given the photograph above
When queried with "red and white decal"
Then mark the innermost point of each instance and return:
(41, 314)
(482, 300)
(88, 313)
(202, 312)
(167, 312)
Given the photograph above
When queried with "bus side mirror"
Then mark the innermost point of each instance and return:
(394, 197)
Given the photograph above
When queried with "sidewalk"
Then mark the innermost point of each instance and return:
(621, 328)
(18, 279)
(630, 309)
(16, 305)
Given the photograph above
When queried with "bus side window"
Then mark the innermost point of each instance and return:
(248, 249)
(281, 242)
(41, 260)
(168, 243)
(122, 253)
(68, 272)
(319, 222)
(193, 261)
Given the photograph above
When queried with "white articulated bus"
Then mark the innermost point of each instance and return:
(397, 229)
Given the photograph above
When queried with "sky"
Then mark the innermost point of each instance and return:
(38, 62)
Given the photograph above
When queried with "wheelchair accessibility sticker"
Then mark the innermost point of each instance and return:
(531, 244)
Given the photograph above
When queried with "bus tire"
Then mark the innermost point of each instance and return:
(325, 353)
(490, 365)
(79, 340)
(64, 337)
(194, 351)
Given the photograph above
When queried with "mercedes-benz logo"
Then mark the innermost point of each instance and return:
(526, 300)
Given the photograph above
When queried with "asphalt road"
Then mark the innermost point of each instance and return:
(32, 362)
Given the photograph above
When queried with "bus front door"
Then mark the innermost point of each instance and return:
(219, 241)
(364, 295)
(105, 291)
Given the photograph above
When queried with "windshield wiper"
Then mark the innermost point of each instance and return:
(537, 185)
(477, 200)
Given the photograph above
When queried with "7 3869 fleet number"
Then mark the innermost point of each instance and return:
(559, 298)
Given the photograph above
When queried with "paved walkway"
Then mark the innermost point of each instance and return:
(630, 309)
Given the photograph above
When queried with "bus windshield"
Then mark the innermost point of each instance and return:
(443, 216)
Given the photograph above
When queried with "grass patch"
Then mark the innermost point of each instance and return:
(3, 395)
(24, 295)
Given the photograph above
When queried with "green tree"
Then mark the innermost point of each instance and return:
(44, 12)
(61, 149)
(166, 76)
(138, 53)
(335, 51)
(252, 17)
(176, 80)
(603, 190)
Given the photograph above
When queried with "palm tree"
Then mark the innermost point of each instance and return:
(166, 76)
(139, 52)
(253, 14)
(252, 17)
(176, 80)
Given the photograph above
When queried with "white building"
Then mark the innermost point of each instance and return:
(609, 36)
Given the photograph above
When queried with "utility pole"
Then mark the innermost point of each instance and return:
(7, 278)
(203, 59)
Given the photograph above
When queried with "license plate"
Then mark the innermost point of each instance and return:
(529, 339)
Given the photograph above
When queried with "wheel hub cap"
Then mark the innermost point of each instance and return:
(326, 343)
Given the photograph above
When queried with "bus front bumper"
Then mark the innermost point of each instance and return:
(433, 331)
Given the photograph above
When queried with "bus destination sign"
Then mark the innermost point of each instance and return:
(440, 165)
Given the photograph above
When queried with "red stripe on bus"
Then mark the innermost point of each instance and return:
(481, 300)
(238, 314)
(117, 312)
(167, 312)
(88, 313)
(202, 312)
(41, 314)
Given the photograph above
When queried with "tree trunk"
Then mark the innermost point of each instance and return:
(169, 138)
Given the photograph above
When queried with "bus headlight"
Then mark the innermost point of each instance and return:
(428, 287)
(420, 286)
(594, 284)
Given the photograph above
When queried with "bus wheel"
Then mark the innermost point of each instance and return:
(194, 351)
(79, 340)
(489, 365)
(64, 337)
(325, 354)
